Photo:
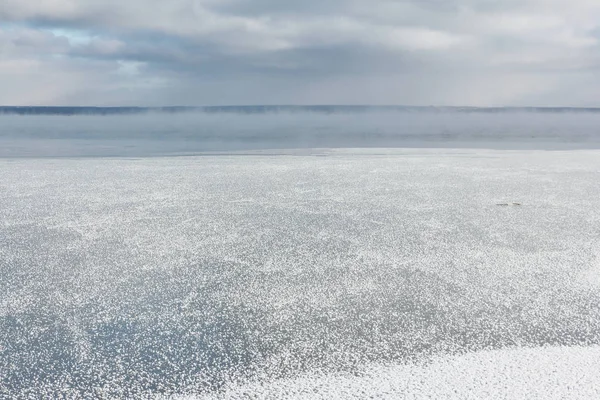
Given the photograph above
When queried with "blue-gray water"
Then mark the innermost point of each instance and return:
(154, 134)
(134, 277)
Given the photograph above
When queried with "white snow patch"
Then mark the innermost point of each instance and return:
(527, 373)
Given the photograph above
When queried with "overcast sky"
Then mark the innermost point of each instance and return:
(203, 52)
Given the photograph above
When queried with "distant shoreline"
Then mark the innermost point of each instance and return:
(269, 109)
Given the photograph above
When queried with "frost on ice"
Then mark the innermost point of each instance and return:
(270, 275)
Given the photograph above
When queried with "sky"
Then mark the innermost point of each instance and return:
(235, 52)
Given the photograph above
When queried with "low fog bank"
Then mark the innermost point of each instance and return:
(153, 134)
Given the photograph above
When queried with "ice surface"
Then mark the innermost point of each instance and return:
(134, 278)
(544, 374)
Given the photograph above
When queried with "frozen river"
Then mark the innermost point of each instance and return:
(393, 273)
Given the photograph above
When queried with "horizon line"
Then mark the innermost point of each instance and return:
(299, 106)
(283, 108)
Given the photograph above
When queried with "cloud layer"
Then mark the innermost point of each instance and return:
(193, 52)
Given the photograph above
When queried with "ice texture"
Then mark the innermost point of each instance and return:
(347, 273)
(543, 373)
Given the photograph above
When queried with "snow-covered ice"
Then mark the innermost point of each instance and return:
(313, 274)
(543, 373)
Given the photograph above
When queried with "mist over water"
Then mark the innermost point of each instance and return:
(154, 134)
(414, 253)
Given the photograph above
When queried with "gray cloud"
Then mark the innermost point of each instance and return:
(458, 52)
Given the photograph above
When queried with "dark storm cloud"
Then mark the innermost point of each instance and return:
(344, 51)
